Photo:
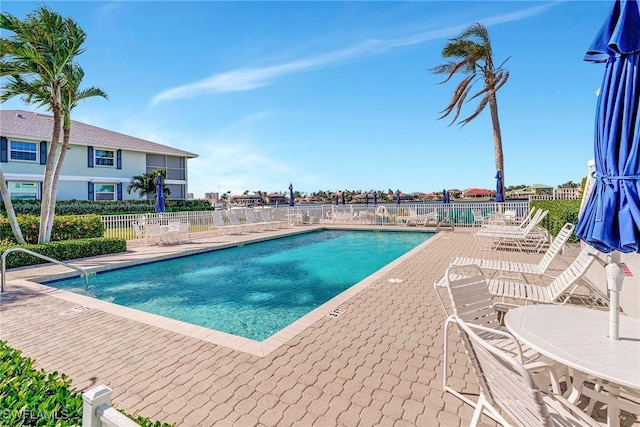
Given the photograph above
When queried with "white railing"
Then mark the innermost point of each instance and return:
(200, 223)
(97, 410)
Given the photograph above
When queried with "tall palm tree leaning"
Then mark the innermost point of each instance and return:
(473, 57)
(38, 55)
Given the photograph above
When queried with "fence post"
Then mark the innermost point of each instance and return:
(93, 399)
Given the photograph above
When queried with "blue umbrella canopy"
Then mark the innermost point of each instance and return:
(397, 197)
(159, 205)
(291, 200)
(375, 197)
(610, 221)
(499, 187)
(611, 218)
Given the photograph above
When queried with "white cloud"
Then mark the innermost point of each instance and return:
(248, 78)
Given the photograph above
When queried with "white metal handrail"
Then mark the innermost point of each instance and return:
(84, 272)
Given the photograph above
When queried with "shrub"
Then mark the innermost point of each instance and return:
(65, 227)
(64, 250)
(104, 207)
(31, 397)
(560, 212)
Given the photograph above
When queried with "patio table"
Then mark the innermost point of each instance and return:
(578, 338)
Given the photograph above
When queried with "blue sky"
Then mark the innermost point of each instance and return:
(338, 95)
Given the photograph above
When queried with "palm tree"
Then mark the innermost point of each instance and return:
(145, 184)
(35, 92)
(36, 57)
(474, 58)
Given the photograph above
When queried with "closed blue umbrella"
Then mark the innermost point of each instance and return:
(375, 197)
(397, 197)
(445, 197)
(611, 218)
(291, 200)
(343, 202)
(159, 205)
(366, 199)
(336, 198)
(499, 188)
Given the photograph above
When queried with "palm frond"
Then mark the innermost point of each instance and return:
(483, 103)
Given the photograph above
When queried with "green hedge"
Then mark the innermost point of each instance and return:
(560, 212)
(65, 227)
(32, 397)
(86, 207)
(64, 250)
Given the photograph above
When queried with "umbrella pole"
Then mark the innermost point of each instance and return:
(615, 277)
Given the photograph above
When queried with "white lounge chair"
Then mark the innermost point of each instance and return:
(508, 392)
(528, 238)
(238, 227)
(522, 268)
(253, 221)
(561, 290)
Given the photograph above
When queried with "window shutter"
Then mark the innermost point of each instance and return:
(3, 150)
(43, 152)
(119, 190)
(40, 189)
(119, 159)
(90, 156)
(91, 195)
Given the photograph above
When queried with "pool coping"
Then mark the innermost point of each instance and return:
(253, 347)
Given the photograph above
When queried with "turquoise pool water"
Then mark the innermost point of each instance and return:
(253, 290)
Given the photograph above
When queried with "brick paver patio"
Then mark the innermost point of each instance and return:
(379, 363)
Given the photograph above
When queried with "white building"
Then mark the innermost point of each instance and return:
(99, 164)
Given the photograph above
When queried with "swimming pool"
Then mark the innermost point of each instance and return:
(256, 289)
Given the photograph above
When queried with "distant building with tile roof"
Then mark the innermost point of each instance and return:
(477, 193)
(98, 165)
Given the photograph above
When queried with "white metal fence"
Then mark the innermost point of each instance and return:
(201, 223)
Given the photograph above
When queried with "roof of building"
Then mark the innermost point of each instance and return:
(28, 124)
(478, 191)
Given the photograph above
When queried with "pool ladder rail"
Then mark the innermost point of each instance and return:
(84, 272)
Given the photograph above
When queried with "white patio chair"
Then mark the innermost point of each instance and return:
(508, 391)
(183, 232)
(153, 233)
(478, 218)
(519, 267)
(471, 301)
(140, 235)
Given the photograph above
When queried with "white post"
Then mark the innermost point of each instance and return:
(93, 399)
(615, 277)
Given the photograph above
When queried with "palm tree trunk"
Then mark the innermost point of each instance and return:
(497, 135)
(52, 160)
(11, 213)
(66, 132)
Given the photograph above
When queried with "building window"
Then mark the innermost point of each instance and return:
(105, 191)
(23, 190)
(105, 158)
(24, 151)
(174, 166)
